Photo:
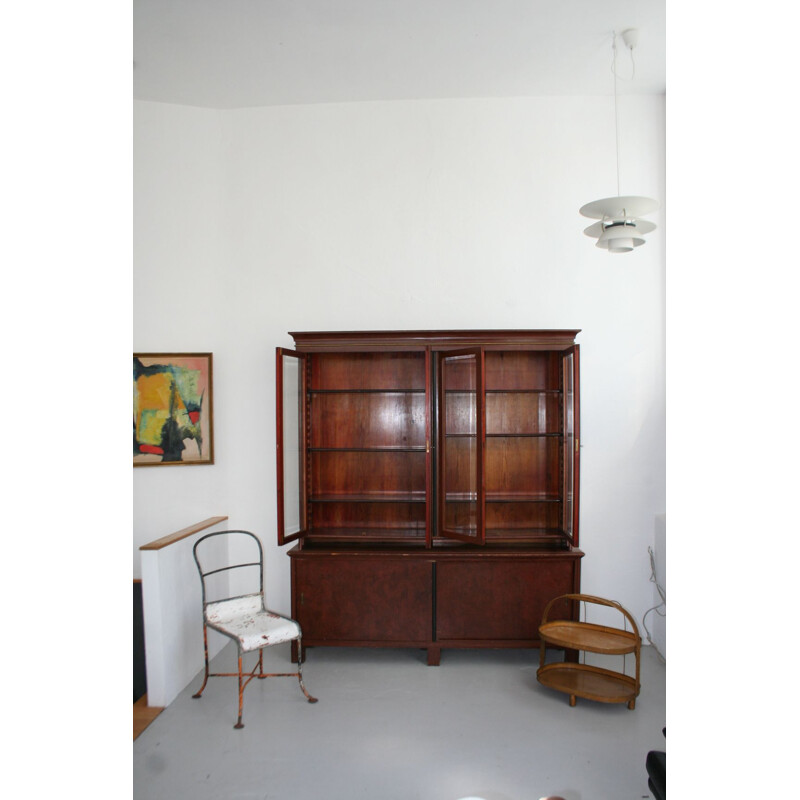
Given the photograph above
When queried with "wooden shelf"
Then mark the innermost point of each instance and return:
(522, 497)
(369, 498)
(584, 680)
(530, 435)
(589, 637)
(524, 534)
(367, 534)
(502, 497)
(554, 392)
(592, 683)
(386, 449)
(366, 391)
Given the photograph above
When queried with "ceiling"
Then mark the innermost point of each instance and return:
(244, 53)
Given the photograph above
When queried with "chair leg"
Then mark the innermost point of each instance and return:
(205, 649)
(261, 674)
(239, 723)
(300, 672)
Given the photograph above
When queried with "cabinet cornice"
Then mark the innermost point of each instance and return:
(547, 339)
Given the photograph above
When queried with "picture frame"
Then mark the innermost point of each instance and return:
(173, 416)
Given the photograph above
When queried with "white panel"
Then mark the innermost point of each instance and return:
(173, 619)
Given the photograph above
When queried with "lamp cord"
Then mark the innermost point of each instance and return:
(658, 609)
(616, 115)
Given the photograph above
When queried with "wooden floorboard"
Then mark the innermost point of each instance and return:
(143, 715)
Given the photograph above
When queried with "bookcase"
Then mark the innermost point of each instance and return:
(430, 480)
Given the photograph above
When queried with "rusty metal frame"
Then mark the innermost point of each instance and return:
(244, 678)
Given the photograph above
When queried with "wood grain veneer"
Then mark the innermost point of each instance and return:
(166, 541)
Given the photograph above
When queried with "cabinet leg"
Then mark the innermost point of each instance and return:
(572, 700)
(434, 656)
(632, 704)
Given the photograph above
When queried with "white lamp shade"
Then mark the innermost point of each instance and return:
(641, 227)
(619, 208)
(620, 239)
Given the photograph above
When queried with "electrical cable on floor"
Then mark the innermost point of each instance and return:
(663, 604)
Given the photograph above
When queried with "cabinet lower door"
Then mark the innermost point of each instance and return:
(345, 600)
(490, 602)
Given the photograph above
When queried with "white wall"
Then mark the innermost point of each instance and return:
(179, 250)
(417, 214)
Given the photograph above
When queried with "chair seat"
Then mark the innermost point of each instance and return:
(246, 620)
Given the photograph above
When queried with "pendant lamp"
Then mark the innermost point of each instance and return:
(620, 228)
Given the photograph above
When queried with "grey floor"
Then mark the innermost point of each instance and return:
(389, 727)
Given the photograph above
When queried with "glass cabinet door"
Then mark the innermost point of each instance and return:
(462, 433)
(571, 439)
(291, 451)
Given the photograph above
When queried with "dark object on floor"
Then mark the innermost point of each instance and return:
(139, 671)
(656, 764)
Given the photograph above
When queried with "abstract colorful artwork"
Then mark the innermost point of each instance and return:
(172, 415)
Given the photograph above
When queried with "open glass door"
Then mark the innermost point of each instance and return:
(291, 452)
(462, 435)
(571, 439)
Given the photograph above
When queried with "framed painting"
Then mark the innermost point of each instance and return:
(172, 409)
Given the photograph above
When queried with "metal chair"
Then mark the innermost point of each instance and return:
(243, 617)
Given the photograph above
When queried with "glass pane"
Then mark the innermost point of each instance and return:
(460, 446)
(293, 499)
(569, 443)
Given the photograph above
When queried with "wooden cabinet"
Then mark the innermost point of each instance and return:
(343, 597)
(430, 479)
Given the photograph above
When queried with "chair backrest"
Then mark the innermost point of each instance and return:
(241, 555)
